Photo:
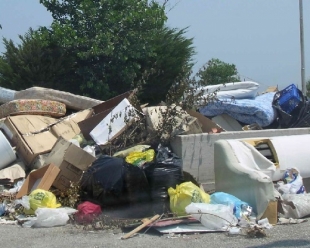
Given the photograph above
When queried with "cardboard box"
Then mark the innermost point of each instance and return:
(71, 160)
(42, 178)
(207, 125)
(34, 135)
(184, 123)
(100, 112)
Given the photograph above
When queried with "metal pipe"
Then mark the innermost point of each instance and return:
(302, 52)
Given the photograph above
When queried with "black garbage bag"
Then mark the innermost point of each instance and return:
(164, 173)
(303, 119)
(137, 185)
(104, 182)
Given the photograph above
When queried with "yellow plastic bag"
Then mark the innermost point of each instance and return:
(40, 198)
(140, 158)
(183, 195)
(125, 153)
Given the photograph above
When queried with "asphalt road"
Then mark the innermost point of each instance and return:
(293, 235)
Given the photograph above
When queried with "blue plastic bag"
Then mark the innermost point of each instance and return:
(2, 208)
(226, 199)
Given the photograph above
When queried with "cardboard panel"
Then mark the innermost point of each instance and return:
(111, 103)
(42, 178)
(78, 157)
(207, 124)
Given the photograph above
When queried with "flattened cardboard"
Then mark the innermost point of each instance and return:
(71, 160)
(34, 135)
(207, 124)
(68, 127)
(42, 178)
(271, 213)
(100, 112)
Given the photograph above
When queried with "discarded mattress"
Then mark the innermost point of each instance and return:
(72, 101)
(242, 171)
(236, 90)
(33, 107)
(248, 111)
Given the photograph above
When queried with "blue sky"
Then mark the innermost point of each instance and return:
(261, 37)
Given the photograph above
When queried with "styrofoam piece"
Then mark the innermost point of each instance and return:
(227, 122)
(113, 123)
(6, 152)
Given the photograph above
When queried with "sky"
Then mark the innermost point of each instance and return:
(261, 37)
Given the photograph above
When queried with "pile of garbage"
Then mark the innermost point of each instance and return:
(240, 106)
(69, 158)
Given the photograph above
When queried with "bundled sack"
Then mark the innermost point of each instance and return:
(140, 158)
(40, 198)
(104, 181)
(87, 212)
(293, 183)
(294, 206)
(183, 195)
(126, 152)
(164, 173)
(239, 207)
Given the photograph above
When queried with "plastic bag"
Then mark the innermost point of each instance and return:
(140, 158)
(213, 216)
(40, 198)
(294, 182)
(3, 208)
(90, 149)
(183, 195)
(239, 207)
(125, 153)
(49, 217)
(87, 212)
(295, 206)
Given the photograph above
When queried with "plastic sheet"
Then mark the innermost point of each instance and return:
(50, 217)
(213, 216)
(230, 200)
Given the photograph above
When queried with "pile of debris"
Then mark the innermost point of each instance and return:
(69, 157)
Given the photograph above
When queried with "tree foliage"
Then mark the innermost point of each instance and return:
(218, 72)
(33, 63)
(119, 45)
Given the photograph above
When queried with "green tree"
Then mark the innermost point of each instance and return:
(31, 63)
(119, 45)
(218, 72)
(172, 63)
